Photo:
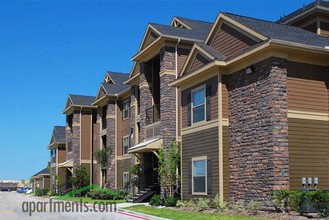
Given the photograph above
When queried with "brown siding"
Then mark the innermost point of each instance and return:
(214, 99)
(181, 58)
(198, 62)
(61, 154)
(123, 166)
(179, 97)
(87, 166)
(226, 165)
(150, 39)
(307, 89)
(324, 28)
(224, 97)
(311, 27)
(86, 135)
(308, 151)
(202, 143)
(46, 180)
(229, 41)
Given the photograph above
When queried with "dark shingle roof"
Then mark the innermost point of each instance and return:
(213, 52)
(82, 100)
(118, 86)
(177, 32)
(308, 7)
(60, 134)
(281, 32)
(44, 171)
(201, 26)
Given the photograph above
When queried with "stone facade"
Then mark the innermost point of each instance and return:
(76, 139)
(97, 167)
(258, 131)
(110, 143)
(167, 95)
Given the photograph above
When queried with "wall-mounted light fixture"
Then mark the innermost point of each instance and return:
(304, 182)
(316, 182)
(250, 69)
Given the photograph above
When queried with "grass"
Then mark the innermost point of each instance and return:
(88, 200)
(178, 214)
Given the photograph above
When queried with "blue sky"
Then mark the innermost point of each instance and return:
(52, 48)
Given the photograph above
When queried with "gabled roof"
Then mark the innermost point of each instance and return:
(42, 172)
(176, 32)
(196, 25)
(305, 9)
(281, 32)
(59, 134)
(210, 50)
(82, 100)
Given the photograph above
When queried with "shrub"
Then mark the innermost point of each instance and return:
(306, 200)
(282, 199)
(180, 204)
(239, 206)
(202, 203)
(170, 201)
(217, 204)
(52, 193)
(80, 179)
(190, 204)
(104, 195)
(41, 192)
(156, 200)
(254, 207)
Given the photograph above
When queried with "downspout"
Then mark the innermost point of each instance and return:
(116, 142)
(176, 67)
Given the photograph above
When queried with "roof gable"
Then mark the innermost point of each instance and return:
(134, 71)
(150, 35)
(108, 79)
(68, 103)
(101, 92)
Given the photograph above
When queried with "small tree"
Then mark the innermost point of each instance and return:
(80, 178)
(102, 156)
(169, 161)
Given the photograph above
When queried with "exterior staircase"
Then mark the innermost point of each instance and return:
(146, 194)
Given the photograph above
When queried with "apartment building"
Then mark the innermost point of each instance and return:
(57, 148)
(41, 180)
(246, 98)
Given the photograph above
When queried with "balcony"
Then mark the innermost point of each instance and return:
(152, 114)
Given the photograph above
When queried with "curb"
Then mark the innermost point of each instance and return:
(137, 214)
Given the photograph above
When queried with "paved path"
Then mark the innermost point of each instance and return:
(14, 206)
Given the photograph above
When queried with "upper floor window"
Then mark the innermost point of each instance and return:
(126, 109)
(125, 144)
(198, 104)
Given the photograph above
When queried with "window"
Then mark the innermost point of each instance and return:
(198, 104)
(126, 179)
(126, 109)
(199, 172)
(125, 144)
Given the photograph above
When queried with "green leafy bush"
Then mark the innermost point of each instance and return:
(254, 207)
(156, 200)
(41, 192)
(282, 199)
(180, 204)
(170, 201)
(217, 204)
(202, 203)
(306, 200)
(239, 205)
(104, 195)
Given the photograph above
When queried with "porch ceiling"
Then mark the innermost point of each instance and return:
(147, 146)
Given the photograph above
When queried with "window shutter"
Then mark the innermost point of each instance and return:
(209, 176)
(208, 102)
(189, 115)
(189, 177)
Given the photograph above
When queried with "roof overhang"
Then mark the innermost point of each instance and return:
(299, 17)
(133, 80)
(71, 108)
(147, 146)
(271, 48)
(66, 164)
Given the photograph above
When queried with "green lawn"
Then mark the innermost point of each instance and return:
(177, 214)
(88, 200)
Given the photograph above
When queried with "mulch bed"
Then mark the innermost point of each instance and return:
(263, 214)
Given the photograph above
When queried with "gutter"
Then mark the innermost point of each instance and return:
(176, 67)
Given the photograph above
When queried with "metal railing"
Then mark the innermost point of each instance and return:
(152, 114)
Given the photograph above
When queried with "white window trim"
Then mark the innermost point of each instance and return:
(123, 110)
(205, 106)
(123, 145)
(206, 179)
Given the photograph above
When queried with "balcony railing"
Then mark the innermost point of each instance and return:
(104, 123)
(152, 114)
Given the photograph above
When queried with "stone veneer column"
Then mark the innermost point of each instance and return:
(110, 143)
(258, 131)
(167, 95)
(97, 167)
(76, 139)
(145, 97)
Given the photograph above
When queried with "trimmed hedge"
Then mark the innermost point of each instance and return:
(104, 195)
